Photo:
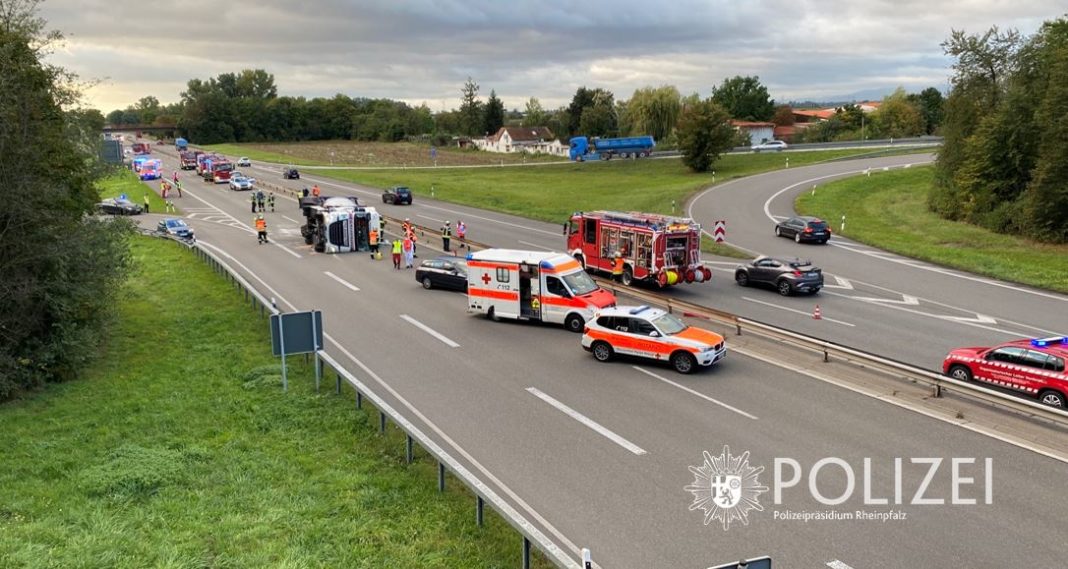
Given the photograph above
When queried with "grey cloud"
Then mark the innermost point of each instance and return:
(422, 50)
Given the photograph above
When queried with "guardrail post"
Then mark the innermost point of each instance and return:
(936, 390)
(441, 476)
(480, 505)
(318, 372)
(381, 423)
(337, 386)
(738, 328)
(526, 553)
(826, 356)
(359, 400)
(408, 450)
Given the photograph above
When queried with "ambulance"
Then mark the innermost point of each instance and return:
(533, 285)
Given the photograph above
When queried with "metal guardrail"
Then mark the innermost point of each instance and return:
(532, 535)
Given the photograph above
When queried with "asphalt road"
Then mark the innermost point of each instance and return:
(592, 489)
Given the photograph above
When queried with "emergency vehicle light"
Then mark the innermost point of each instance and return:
(1043, 342)
(470, 256)
(639, 309)
(546, 265)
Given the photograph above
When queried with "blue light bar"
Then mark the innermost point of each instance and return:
(546, 265)
(1043, 342)
(470, 256)
(639, 309)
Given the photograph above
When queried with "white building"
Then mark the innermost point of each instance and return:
(533, 139)
(758, 132)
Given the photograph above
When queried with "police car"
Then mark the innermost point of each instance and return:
(1035, 367)
(651, 333)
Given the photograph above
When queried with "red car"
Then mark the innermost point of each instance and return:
(1031, 367)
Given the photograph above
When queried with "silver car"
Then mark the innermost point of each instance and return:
(239, 182)
(777, 145)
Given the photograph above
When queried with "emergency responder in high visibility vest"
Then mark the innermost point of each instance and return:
(315, 190)
(252, 200)
(260, 200)
(406, 227)
(372, 239)
(617, 268)
(446, 235)
(146, 202)
(396, 253)
(261, 229)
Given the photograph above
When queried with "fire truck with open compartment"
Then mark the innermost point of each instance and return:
(660, 249)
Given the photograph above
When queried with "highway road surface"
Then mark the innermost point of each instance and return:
(599, 454)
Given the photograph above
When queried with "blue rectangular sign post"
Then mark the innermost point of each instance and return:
(296, 333)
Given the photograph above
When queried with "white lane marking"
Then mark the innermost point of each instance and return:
(905, 299)
(463, 215)
(430, 331)
(350, 286)
(836, 564)
(533, 245)
(434, 219)
(597, 427)
(286, 249)
(796, 311)
(767, 203)
(975, 322)
(287, 218)
(426, 421)
(697, 393)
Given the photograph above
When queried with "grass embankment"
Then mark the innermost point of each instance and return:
(889, 211)
(179, 449)
(126, 182)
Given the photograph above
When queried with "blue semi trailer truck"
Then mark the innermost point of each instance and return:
(583, 148)
(181, 144)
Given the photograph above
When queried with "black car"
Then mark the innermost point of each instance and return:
(119, 206)
(804, 228)
(397, 195)
(786, 276)
(290, 173)
(443, 272)
(175, 227)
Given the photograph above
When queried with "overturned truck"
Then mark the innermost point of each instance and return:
(337, 224)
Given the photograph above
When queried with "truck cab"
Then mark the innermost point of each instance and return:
(337, 224)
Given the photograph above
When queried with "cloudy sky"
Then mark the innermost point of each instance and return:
(423, 50)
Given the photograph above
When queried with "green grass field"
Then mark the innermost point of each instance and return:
(889, 211)
(179, 449)
(552, 192)
(369, 154)
(126, 182)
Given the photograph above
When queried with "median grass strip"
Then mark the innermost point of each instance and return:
(126, 182)
(889, 210)
(179, 449)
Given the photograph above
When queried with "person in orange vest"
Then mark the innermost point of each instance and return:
(372, 239)
(415, 240)
(261, 229)
(617, 268)
(315, 190)
(409, 251)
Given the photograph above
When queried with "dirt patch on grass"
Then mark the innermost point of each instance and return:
(404, 154)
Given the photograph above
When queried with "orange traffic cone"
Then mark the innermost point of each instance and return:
(816, 313)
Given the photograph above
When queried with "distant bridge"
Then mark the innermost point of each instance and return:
(110, 128)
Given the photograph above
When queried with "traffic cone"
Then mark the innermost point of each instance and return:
(816, 313)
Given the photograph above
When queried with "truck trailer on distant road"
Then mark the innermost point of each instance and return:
(583, 148)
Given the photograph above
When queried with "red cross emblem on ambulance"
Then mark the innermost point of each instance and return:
(485, 278)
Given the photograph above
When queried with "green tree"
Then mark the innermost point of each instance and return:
(599, 119)
(471, 122)
(60, 267)
(897, 117)
(653, 111)
(930, 102)
(784, 116)
(493, 117)
(534, 114)
(745, 98)
(1046, 200)
(704, 133)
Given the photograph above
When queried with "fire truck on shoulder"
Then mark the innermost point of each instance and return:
(661, 249)
(337, 224)
(533, 285)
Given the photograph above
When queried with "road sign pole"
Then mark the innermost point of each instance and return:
(282, 349)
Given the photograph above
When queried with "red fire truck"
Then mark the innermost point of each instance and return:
(662, 249)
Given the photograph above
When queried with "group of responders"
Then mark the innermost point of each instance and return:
(837, 515)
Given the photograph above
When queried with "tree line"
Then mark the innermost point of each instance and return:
(60, 266)
(1004, 162)
(245, 107)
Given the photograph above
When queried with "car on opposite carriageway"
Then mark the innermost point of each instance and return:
(787, 276)
(397, 195)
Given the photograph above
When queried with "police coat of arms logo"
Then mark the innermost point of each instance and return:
(726, 488)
